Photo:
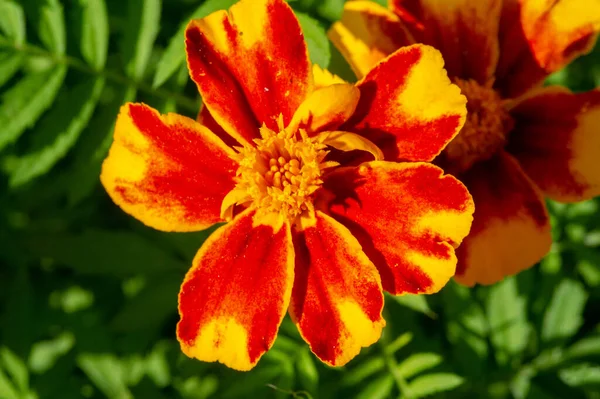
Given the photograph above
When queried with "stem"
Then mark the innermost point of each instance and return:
(392, 366)
(115, 77)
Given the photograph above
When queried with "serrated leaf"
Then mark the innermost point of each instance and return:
(106, 373)
(564, 315)
(117, 253)
(417, 303)
(58, 132)
(307, 371)
(430, 384)
(379, 388)
(16, 368)
(507, 316)
(52, 26)
(25, 102)
(316, 40)
(94, 32)
(143, 21)
(12, 21)
(174, 55)
(418, 363)
(10, 63)
(151, 306)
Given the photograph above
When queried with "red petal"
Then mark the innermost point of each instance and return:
(250, 65)
(538, 37)
(465, 31)
(366, 34)
(407, 217)
(557, 142)
(234, 297)
(510, 230)
(337, 298)
(408, 107)
(168, 171)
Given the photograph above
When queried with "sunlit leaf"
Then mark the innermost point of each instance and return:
(94, 32)
(143, 23)
(417, 363)
(379, 388)
(362, 371)
(52, 26)
(507, 315)
(430, 384)
(564, 315)
(417, 303)
(12, 21)
(316, 40)
(308, 374)
(15, 367)
(25, 102)
(106, 373)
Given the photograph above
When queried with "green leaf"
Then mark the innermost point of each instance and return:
(25, 102)
(586, 347)
(581, 375)
(106, 373)
(45, 354)
(174, 55)
(143, 21)
(151, 306)
(94, 32)
(379, 388)
(316, 40)
(507, 316)
(16, 368)
(564, 315)
(12, 21)
(307, 371)
(417, 303)
(418, 363)
(58, 132)
(106, 252)
(363, 371)
(10, 64)
(52, 26)
(253, 381)
(7, 389)
(430, 384)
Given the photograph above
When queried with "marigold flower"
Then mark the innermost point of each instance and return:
(304, 232)
(521, 142)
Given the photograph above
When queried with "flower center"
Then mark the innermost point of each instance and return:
(282, 172)
(485, 131)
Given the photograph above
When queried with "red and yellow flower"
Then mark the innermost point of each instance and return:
(305, 231)
(521, 141)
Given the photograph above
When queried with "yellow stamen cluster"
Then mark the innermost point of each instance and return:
(485, 131)
(281, 172)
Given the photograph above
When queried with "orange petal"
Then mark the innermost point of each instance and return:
(167, 171)
(408, 107)
(337, 298)
(510, 230)
(326, 108)
(465, 31)
(408, 217)
(366, 34)
(234, 297)
(557, 142)
(250, 65)
(323, 77)
(539, 37)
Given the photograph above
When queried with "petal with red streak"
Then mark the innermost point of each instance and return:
(206, 119)
(326, 108)
(511, 231)
(167, 171)
(235, 296)
(337, 298)
(465, 31)
(408, 107)
(408, 217)
(366, 34)
(538, 37)
(557, 142)
(250, 65)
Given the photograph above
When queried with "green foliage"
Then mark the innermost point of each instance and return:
(88, 296)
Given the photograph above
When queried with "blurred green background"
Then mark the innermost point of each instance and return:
(88, 295)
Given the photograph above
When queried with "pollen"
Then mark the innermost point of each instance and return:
(485, 131)
(282, 172)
